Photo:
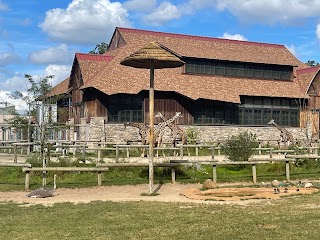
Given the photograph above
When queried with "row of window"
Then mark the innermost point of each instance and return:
(237, 69)
(252, 111)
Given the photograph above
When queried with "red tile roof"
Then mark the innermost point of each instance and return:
(93, 57)
(60, 88)
(110, 77)
(197, 38)
(306, 76)
(212, 48)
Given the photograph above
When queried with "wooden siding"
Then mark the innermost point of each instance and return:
(94, 103)
(314, 92)
(77, 95)
(116, 41)
(169, 106)
(310, 117)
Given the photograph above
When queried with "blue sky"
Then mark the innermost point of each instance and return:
(41, 37)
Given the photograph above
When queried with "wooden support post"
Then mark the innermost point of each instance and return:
(128, 155)
(99, 155)
(173, 174)
(259, 148)
(197, 151)
(288, 170)
(15, 153)
(212, 152)
(254, 174)
(117, 153)
(99, 179)
(181, 152)
(271, 150)
(219, 152)
(214, 173)
(44, 178)
(27, 181)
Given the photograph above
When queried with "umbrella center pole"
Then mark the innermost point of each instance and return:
(151, 139)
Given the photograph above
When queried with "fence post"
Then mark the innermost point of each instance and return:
(117, 153)
(173, 174)
(128, 155)
(287, 170)
(254, 173)
(181, 152)
(219, 152)
(260, 148)
(99, 179)
(27, 181)
(214, 173)
(212, 152)
(99, 154)
(15, 153)
(271, 149)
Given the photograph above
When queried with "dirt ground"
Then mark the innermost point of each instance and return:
(186, 193)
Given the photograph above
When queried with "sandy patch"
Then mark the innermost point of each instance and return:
(186, 193)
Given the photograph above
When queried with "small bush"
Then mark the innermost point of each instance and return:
(240, 147)
(192, 135)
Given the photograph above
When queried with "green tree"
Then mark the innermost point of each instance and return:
(240, 147)
(100, 48)
(312, 63)
(37, 99)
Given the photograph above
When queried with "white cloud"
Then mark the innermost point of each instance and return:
(16, 82)
(7, 58)
(60, 72)
(139, 5)
(234, 37)
(292, 49)
(162, 14)
(318, 31)
(85, 21)
(253, 11)
(52, 55)
(20, 105)
(263, 11)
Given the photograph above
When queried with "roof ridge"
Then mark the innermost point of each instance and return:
(215, 39)
(308, 69)
(93, 57)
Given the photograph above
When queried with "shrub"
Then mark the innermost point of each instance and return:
(192, 134)
(240, 147)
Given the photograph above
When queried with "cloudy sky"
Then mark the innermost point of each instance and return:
(40, 38)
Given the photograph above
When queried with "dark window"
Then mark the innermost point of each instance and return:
(125, 108)
(238, 69)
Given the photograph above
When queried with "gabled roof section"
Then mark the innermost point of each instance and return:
(306, 76)
(91, 64)
(60, 88)
(212, 48)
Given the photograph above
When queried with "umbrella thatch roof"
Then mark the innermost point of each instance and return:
(153, 55)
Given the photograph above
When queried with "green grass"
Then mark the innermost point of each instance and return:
(288, 218)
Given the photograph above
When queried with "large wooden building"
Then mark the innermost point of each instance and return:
(224, 82)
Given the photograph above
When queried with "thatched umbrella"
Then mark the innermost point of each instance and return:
(153, 56)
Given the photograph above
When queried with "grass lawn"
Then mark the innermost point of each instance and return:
(289, 218)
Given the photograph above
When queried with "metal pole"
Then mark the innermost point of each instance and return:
(151, 138)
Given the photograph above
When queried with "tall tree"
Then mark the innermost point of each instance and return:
(37, 99)
(312, 63)
(100, 48)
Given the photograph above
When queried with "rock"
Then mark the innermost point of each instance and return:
(275, 183)
(308, 185)
(209, 184)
